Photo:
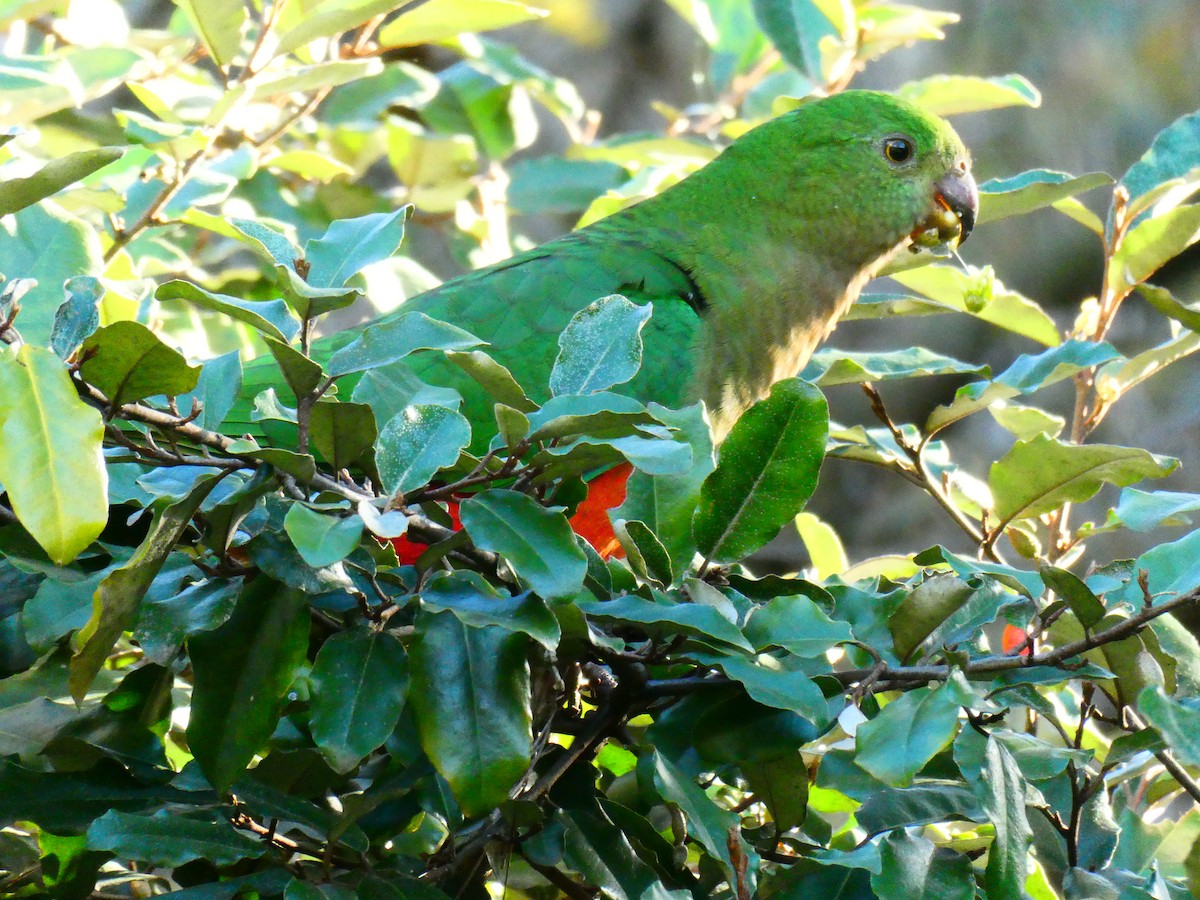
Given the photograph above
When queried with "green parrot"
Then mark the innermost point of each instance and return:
(748, 263)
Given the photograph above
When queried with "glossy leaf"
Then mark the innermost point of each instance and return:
(600, 347)
(392, 340)
(767, 471)
(270, 317)
(950, 95)
(537, 542)
(701, 622)
(127, 362)
(438, 20)
(342, 432)
(1040, 475)
(241, 672)
(50, 454)
(796, 624)
(914, 869)
(909, 732)
(1002, 794)
(18, 193)
(417, 443)
(219, 24)
(666, 503)
(350, 245)
(359, 683)
(77, 317)
(981, 294)
(478, 604)
(321, 539)
(1036, 189)
(470, 699)
(172, 840)
(830, 367)
(118, 597)
(1150, 244)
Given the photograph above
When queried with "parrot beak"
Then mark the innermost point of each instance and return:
(956, 203)
(956, 192)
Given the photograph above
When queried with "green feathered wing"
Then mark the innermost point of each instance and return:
(519, 307)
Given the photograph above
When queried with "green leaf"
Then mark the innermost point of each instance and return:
(979, 293)
(644, 552)
(1002, 793)
(342, 432)
(666, 503)
(1175, 153)
(950, 95)
(299, 371)
(359, 685)
(391, 389)
(768, 682)
(310, 79)
(797, 28)
(164, 623)
(537, 542)
(46, 245)
(478, 604)
(493, 378)
(118, 597)
(1028, 373)
(823, 545)
(269, 317)
(217, 390)
(241, 673)
(18, 193)
(219, 24)
(169, 839)
(600, 347)
(438, 20)
(896, 744)
(127, 363)
(1036, 189)
(51, 463)
(305, 25)
(470, 699)
(1040, 475)
(308, 301)
(1178, 724)
(1151, 243)
(766, 472)
(702, 622)
(417, 443)
(1146, 510)
(926, 803)
(350, 245)
(913, 868)
(273, 246)
(708, 823)
(320, 539)
(930, 604)
(796, 624)
(1167, 304)
(829, 367)
(392, 340)
(1118, 376)
(1087, 606)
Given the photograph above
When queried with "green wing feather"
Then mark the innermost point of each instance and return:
(519, 307)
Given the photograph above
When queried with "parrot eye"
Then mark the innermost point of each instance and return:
(897, 149)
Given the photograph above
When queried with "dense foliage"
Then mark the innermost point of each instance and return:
(219, 677)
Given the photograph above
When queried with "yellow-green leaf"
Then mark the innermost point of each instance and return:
(50, 454)
(438, 20)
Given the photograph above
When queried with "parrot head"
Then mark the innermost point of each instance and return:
(897, 172)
